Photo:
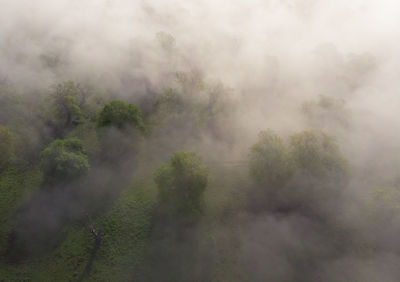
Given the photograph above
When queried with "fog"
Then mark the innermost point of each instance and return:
(276, 61)
(273, 54)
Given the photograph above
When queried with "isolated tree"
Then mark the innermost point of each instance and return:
(181, 185)
(7, 142)
(64, 160)
(120, 114)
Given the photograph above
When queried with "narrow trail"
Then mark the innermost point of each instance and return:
(96, 245)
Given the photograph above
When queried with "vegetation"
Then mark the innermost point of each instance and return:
(181, 185)
(199, 141)
(119, 214)
(119, 114)
(7, 143)
(296, 175)
(271, 162)
(317, 155)
(65, 107)
(64, 160)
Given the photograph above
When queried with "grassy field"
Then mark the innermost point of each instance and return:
(15, 187)
(126, 230)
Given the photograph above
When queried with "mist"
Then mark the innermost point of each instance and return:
(284, 65)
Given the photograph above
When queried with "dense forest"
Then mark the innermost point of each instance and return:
(240, 141)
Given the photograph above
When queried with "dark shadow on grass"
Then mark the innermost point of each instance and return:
(88, 268)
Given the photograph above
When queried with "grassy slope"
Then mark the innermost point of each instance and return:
(124, 232)
(225, 198)
(15, 186)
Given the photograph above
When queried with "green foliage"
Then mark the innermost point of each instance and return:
(64, 160)
(317, 154)
(271, 162)
(181, 185)
(15, 186)
(178, 113)
(126, 228)
(120, 256)
(117, 141)
(7, 142)
(310, 153)
(88, 134)
(65, 108)
(120, 114)
(310, 169)
(20, 113)
(66, 263)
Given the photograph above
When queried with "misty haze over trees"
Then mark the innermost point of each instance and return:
(212, 141)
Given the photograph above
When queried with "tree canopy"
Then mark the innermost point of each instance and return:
(63, 108)
(64, 160)
(120, 114)
(317, 154)
(67, 96)
(270, 159)
(181, 184)
(295, 173)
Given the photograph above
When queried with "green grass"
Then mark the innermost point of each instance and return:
(225, 198)
(125, 228)
(65, 263)
(15, 187)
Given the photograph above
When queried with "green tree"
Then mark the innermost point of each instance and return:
(64, 107)
(68, 98)
(120, 114)
(7, 142)
(302, 174)
(64, 160)
(270, 162)
(181, 185)
(317, 154)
